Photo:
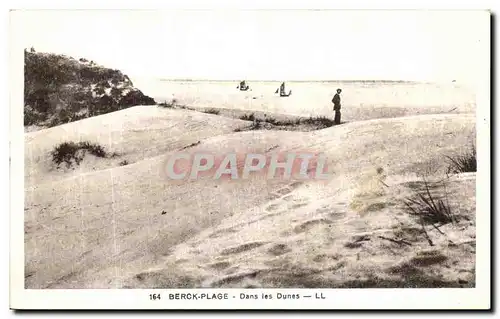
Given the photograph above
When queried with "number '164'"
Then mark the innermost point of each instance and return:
(154, 297)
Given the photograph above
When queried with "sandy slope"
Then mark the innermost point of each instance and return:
(134, 134)
(101, 225)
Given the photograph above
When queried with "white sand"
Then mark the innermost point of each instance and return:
(101, 224)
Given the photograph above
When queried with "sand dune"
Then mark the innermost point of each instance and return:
(102, 225)
(134, 134)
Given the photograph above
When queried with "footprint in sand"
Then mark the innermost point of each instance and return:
(353, 245)
(299, 200)
(422, 259)
(163, 278)
(311, 224)
(272, 207)
(285, 191)
(323, 210)
(278, 249)
(273, 196)
(241, 248)
(323, 257)
(181, 260)
(302, 200)
(222, 232)
(296, 184)
(295, 206)
(334, 216)
(428, 258)
(237, 278)
(220, 265)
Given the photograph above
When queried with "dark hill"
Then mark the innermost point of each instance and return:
(59, 89)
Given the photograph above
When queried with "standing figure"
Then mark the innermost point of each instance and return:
(282, 89)
(336, 106)
(243, 86)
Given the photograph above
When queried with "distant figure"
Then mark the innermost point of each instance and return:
(281, 90)
(336, 106)
(243, 86)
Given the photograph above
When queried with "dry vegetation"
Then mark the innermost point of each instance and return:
(59, 89)
(73, 153)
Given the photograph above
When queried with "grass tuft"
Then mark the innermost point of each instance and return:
(211, 111)
(430, 210)
(463, 163)
(168, 105)
(71, 152)
(124, 163)
(246, 117)
(319, 121)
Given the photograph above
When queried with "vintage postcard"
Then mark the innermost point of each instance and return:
(250, 159)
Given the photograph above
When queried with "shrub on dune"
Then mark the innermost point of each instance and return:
(271, 120)
(123, 163)
(212, 111)
(320, 120)
(168, 105)
(246, 117)
(69, 152)
(430, 210)
(463, 163)
(94, 149)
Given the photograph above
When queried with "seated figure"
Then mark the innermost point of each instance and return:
(243, 86)
(282, 90)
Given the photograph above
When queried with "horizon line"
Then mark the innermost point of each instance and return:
(253, 80)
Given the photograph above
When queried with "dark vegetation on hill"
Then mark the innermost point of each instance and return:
(298, 124)
(59, 89)
(73, 153)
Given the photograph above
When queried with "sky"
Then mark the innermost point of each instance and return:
(266, 45)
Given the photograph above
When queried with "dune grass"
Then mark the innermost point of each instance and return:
(317, 123)
(169, 105)
(123, 163)
(463, 163)
(212, 111)
(430, 210)
(247, 117)
(71, 152)
(320, 120)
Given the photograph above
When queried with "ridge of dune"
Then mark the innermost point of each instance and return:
(129, 125)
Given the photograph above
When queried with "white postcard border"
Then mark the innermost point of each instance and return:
(21, 298)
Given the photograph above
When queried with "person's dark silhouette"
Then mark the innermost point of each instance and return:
(243, 86)
(336, 106)
(281, 90)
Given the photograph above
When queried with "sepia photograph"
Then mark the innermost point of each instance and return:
(251, 149)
